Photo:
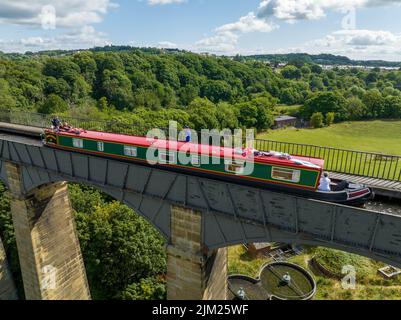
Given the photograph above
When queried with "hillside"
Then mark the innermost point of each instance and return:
(148, 87)
(322, 59)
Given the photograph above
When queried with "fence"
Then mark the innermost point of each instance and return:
(44, 121)
(368, 164)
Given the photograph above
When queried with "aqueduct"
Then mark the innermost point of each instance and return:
(198, 217)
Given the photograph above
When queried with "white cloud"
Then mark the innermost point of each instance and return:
(162, 2)
(366, 44)
(222, 42)
(69, 13)
(167, 45)
(294, 10)
(75, 16)
(227, 36)
(264, 19)
(80, 38)
(248, 23)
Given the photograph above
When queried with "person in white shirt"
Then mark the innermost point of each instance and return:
(325, 183)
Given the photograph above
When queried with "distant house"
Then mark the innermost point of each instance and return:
(284, 121)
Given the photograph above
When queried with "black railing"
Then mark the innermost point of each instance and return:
(40, 120)
(367, 164)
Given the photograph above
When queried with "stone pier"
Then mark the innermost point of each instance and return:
(8, 290)
(193, 273)
(48, 247)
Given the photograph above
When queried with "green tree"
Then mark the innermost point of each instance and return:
(216, 90)
(306, 71)
(7, 101)
(7, 236)
(325, 102)
(290, 96)
(291, 72)
(56, 86)
(316, 120)
(102, 104)
(117, 89)
(316, 84)
(119, 248)
(53, 104)
(203, 114)
(355, 108)
(392, 107)
(145, 289)
(256, 113)
(330, 116)
(87, 65)
(315, 68)
(226, 116)
(374, 103)
(63, 68)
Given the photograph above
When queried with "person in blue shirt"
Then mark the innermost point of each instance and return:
(188, 137)
(56, 124)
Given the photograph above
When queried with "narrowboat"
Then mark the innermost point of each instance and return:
(275, 171)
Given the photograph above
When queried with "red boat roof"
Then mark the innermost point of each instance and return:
(241, 154)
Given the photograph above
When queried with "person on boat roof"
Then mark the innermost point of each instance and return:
(66, 126)
(56, 123)
(325, 183)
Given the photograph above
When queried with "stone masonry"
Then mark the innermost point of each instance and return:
(48, 247)
(193, 273)
(8, 290)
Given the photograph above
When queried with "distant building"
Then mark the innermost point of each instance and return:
(284, 121)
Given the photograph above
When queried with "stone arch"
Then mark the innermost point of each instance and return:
(156, 211)
(152, 209)
(112, 193)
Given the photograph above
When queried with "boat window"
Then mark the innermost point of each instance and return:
(130, 151)
(166, 157)
(100, 146)
(77, 143)
(195, 161)
(233, 167)
(286, 174)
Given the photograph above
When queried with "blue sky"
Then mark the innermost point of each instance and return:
(360, 29)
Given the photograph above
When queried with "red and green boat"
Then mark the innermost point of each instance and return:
(270, 170)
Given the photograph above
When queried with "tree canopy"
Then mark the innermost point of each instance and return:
(202, 91)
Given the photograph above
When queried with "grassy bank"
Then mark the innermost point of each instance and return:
(373, 136)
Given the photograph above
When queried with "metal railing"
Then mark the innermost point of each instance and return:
(360, 163)
(40, 120)
(367, 164)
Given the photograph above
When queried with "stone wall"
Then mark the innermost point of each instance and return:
(193, 273)
(8, 290)
(48, 248)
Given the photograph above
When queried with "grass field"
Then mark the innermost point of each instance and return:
(374, 136)
(369, 136)
(369, 284)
